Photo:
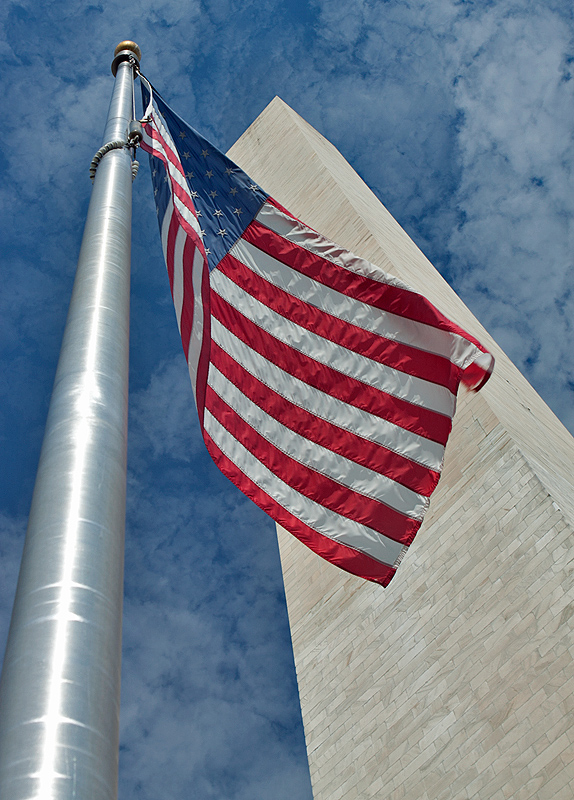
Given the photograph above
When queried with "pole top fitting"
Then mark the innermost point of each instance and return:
(123, 52)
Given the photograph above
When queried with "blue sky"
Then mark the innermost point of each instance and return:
(457, 114)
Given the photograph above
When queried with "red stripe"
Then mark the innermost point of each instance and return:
(183, 196)
(314, 485)
(279, 207)
(187, 309)
(341, 555)
(475, 377)
(186, 323)
(369, 454)
(417, 419)
(143, 144)
(170, 248)
(409, 360)
(174, 159)
(203, 363)
(181, 193)
(402, 302)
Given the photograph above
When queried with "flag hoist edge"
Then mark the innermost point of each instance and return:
(325, 388)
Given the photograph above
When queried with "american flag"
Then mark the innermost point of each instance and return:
(325, 388)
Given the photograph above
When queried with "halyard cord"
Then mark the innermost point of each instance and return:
(148, 112)
(117, 145)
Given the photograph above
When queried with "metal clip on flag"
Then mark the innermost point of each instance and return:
(325, 387)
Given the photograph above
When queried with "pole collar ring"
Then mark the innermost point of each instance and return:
(124, 55)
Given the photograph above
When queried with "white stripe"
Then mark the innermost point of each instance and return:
(159, 148)
(181, 209)
(196, 338)
(321, 519)
(316, 457)
(299, 233)
(186, 214)
(166, 140)
(180, 241)
(484, 361)
(443, 343)
(368, 426)
(386, 379)
(165, 227)
(374, 320)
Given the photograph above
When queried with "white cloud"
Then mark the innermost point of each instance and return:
(458, 114)
(515, 191)
(209, 692)
(464, 115)
(164, 416)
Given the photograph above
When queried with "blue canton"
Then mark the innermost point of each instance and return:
(225, 198)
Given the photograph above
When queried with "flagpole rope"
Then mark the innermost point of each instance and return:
(116, 145)
(147, 114)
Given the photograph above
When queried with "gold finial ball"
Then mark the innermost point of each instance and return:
(127, 45)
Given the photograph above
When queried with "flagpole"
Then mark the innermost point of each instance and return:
(60, 684)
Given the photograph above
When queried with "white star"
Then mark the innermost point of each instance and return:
(201, 232)
(154, 172)
(194, 194)
(253, 187)
(218, 213)
(209, 173)
(189, 175)
(166, 178)
(186, 155)
(207, 251)
(199, 214)
(205, 153)
(238, 211)
(233, 191)
(222, 232)
(213, 194)
(155, 191)
(228, 171)
(182, 135)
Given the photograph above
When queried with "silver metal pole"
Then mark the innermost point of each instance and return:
(60, 685)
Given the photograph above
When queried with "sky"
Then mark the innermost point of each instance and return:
(457, 114)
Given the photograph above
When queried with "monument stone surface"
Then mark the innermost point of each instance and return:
(457, 681)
